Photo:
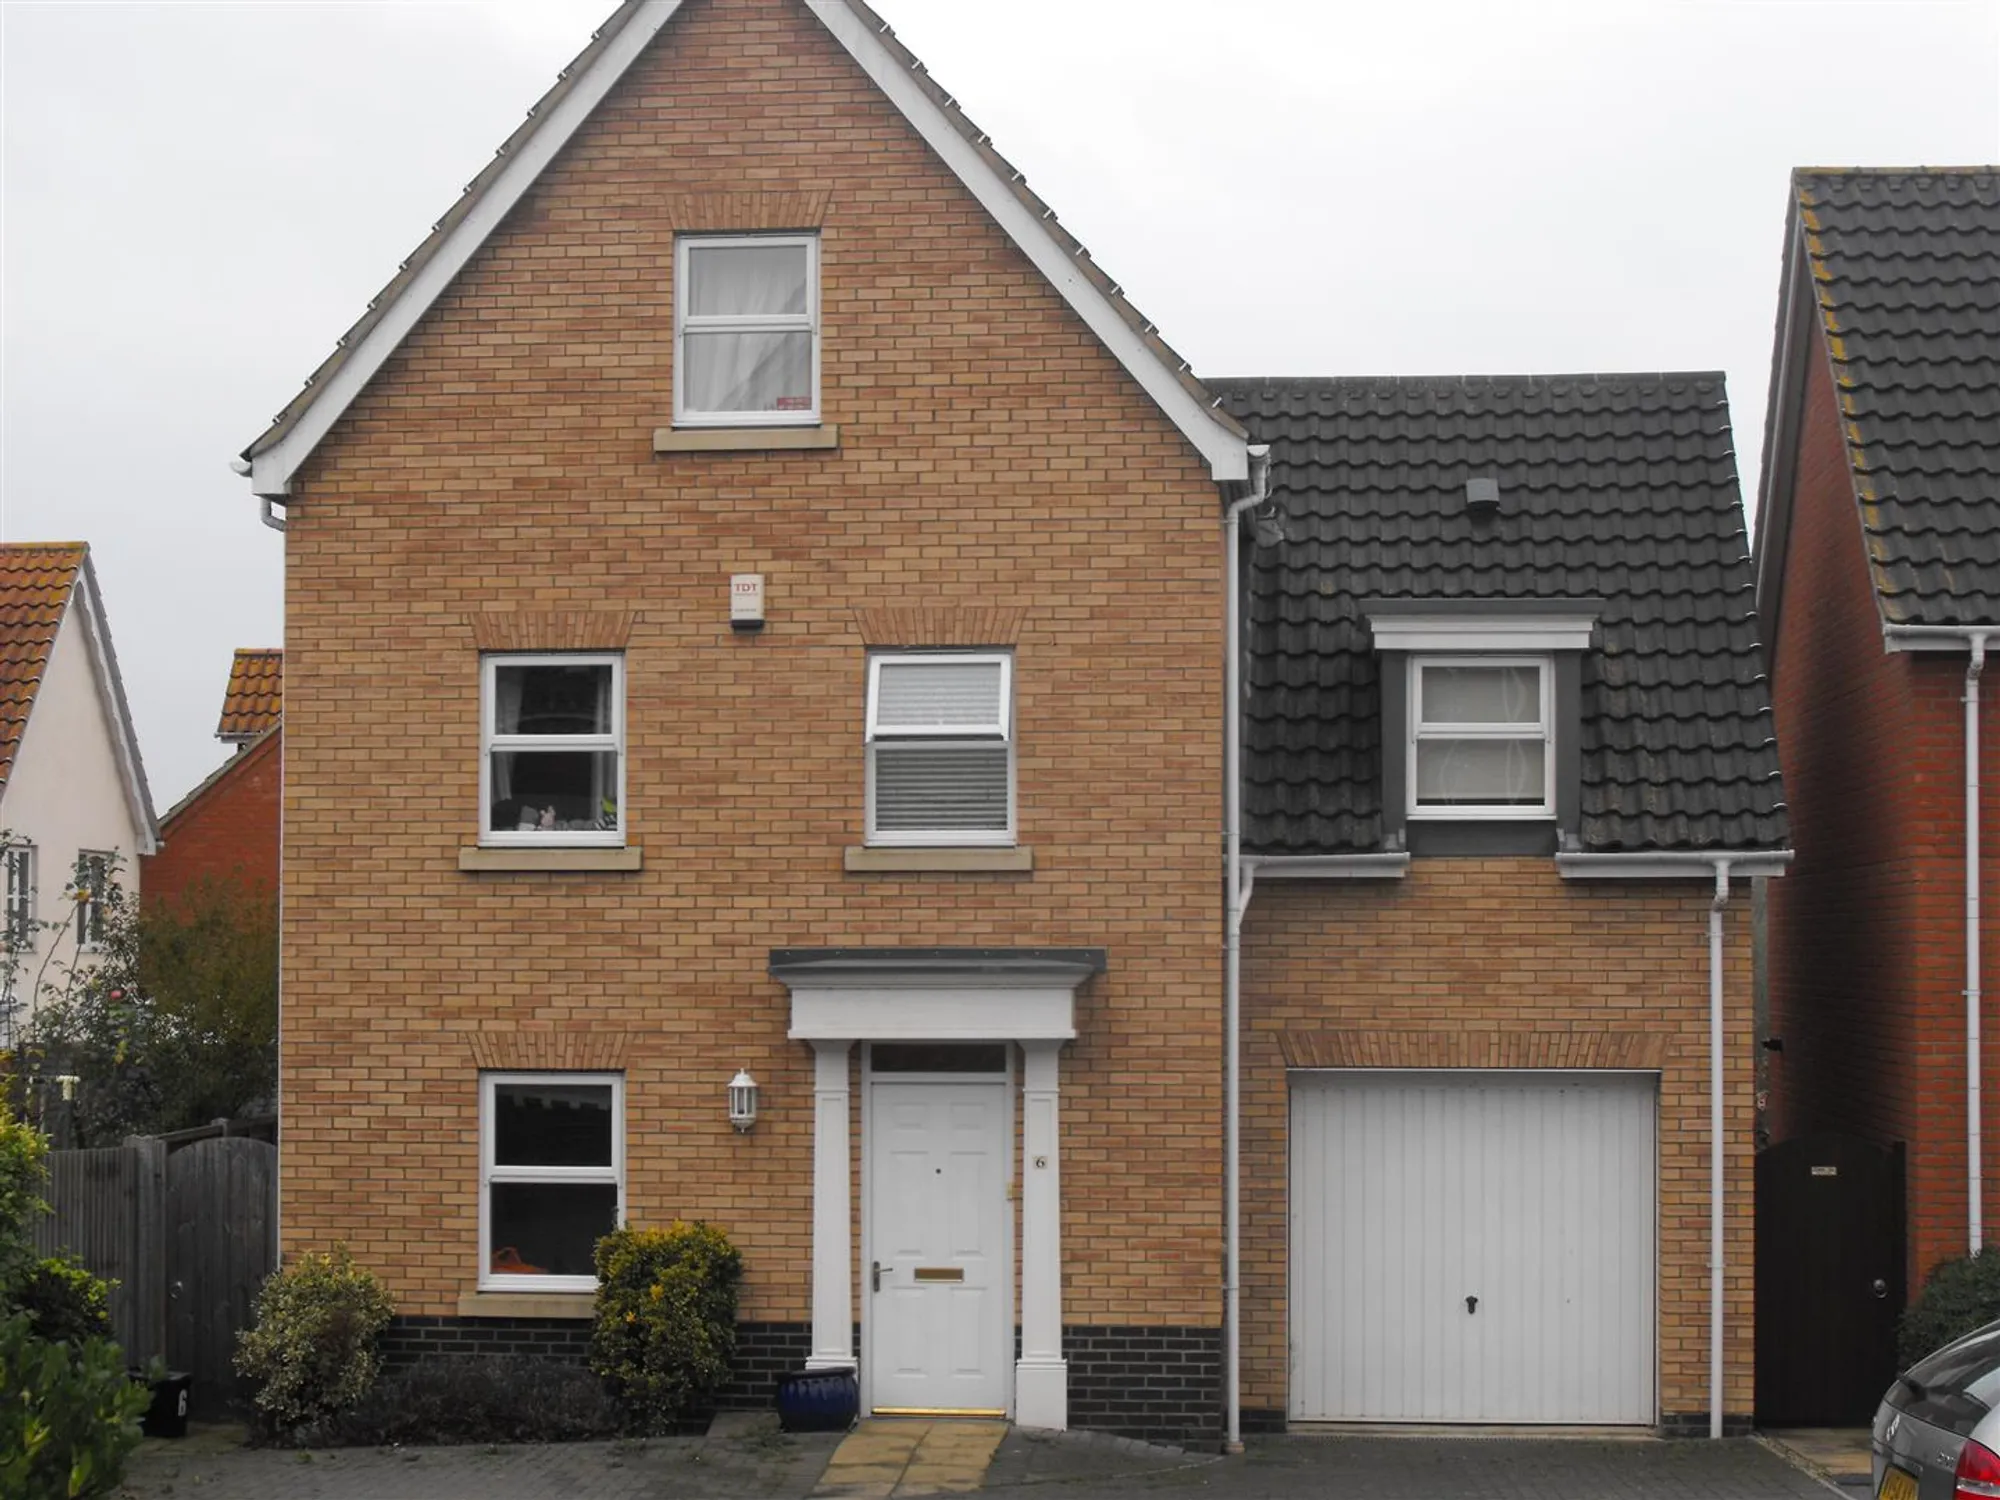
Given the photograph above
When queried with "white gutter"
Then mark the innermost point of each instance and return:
(1327, 866)
(1950, 638)
(1237, 901)
(1670, 864)
(1715, 1143)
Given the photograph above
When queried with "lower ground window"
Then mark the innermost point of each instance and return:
(552, 1170)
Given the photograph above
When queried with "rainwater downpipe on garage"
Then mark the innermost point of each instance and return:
(1237, 898)
(1715, 1140)
(1947, 637)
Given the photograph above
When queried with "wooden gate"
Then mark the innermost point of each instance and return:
(188, 1236)
(221, 1242)
(1829, 1279)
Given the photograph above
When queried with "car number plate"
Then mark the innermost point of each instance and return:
(1898, 1484)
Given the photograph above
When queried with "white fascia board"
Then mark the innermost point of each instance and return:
(933, 1013)
(1488, 633)
(271, 471)
(1935, 637)
(1672, 865)
(1328, 866)
(1228, 453)
(89, 604)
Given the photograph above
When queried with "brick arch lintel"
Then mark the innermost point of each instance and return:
(552, 630)
(551, 1049)
(1640, 1050)
(941, 625)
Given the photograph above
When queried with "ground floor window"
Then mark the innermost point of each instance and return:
(552, 1176)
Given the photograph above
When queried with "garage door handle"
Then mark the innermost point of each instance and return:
(1472, 1304)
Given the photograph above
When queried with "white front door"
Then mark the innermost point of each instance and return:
(935, 1289)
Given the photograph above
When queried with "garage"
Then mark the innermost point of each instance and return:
(1473, 1246)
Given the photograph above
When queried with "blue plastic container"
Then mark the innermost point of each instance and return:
(818, 1401)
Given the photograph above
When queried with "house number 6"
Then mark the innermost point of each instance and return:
(1041, 1163)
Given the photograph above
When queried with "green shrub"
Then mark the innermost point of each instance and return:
(501, 1398)
(70, 1417)
(313, 1351)
(666, 1320)
(1960, 1295)
(23, 1169)
(64, 1301)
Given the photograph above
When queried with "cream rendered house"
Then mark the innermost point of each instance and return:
(73, 791)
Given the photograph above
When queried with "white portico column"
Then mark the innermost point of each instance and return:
(1041, 1379)
(833, 1214)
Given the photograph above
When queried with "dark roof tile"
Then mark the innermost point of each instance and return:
(1620, 488)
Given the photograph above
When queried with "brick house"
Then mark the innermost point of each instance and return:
(1508, 775)
(732, 573)
(1878, 582)
(225, 831)
(74, 802)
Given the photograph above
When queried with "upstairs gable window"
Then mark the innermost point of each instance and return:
(940, 749)
(746, 330)
(1480, 737)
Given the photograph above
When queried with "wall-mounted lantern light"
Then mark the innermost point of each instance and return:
(743, 1100)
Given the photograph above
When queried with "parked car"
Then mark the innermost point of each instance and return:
(1937, 1432)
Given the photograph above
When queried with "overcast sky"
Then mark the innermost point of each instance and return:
(198, 198)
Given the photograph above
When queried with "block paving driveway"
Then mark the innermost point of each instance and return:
(752, 1459)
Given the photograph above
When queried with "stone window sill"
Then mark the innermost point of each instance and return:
(578, 1305)
(865, 860)
(482, 861)
(743, 439)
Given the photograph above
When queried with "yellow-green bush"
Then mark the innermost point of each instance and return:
(313, 1351)
(666, 1320)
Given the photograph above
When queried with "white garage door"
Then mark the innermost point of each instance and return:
(1473, 1247)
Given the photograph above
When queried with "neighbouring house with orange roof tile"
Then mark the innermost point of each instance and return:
(73, 795)
(225, 831)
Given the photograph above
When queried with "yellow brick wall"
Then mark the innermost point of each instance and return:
(993, 459)
(1498, 963)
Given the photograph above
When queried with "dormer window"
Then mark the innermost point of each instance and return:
(1480, 731)
(1482, 722)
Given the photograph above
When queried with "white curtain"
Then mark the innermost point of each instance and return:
(506, 720)
(743, 370)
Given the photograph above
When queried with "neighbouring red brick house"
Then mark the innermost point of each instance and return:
(1879, 583)
(225, 831)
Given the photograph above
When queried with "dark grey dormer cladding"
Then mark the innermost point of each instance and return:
(1619, 490)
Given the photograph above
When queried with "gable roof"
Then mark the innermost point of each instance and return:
(1613, 487)
(254, 700)
(1900, 268)
(40, 582)
(37, 580)
(276, 455)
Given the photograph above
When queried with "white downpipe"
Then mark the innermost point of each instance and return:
(1947, 638)
(1975, 1170)
(1238, 896)
(1715, 1144)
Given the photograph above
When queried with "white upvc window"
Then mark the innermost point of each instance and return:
(19, 921)
(552, 749)
(93, 876)
(746, 330)
(940, 748)
(1481, 742)
(551, 1177)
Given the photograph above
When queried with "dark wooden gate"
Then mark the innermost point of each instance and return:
(221, 1242)
(1829, 1279)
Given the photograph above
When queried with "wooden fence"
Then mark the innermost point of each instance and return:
(188, 1235)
